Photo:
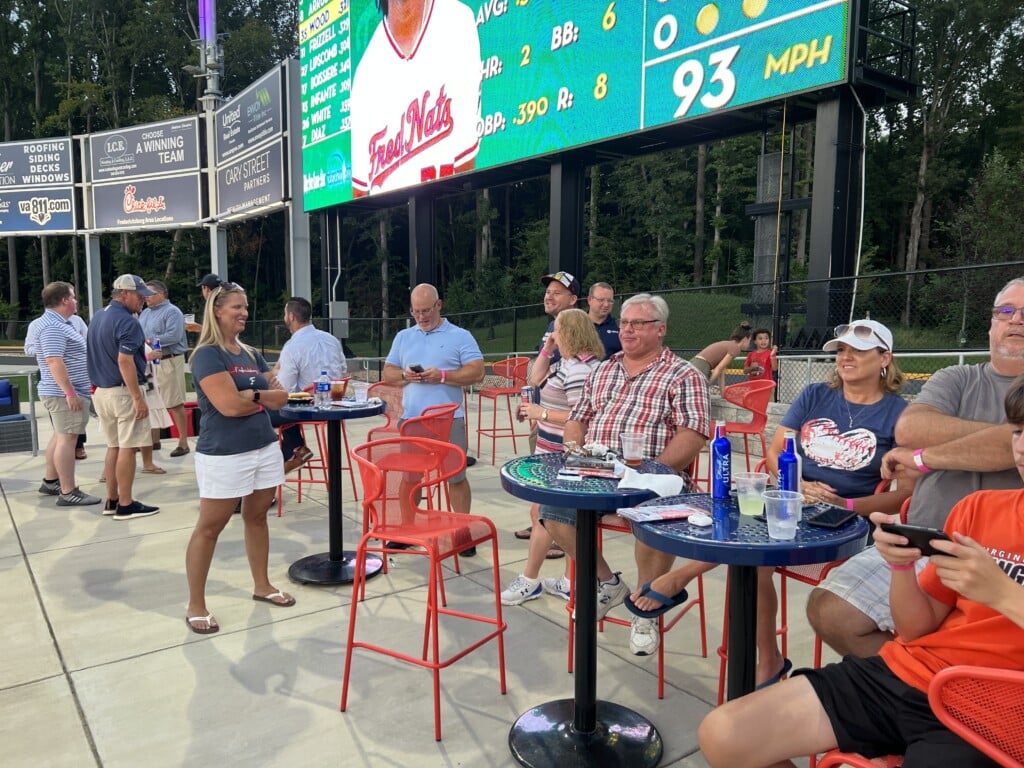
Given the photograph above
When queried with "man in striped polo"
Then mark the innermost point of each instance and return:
(64, 390)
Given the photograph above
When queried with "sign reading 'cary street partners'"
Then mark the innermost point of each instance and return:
(165, 148)
(251, 183)
(37, 195)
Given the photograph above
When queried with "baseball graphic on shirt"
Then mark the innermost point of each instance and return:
(416, 96)
(824, 443)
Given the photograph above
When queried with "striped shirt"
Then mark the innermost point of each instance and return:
(560, 393)
(666, 396)
(58, 338)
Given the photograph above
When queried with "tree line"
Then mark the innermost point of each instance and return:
(942, 188)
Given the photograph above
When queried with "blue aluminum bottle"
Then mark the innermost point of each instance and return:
(789, 465)
(721, 464)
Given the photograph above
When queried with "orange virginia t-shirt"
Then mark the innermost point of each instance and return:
(972, 633)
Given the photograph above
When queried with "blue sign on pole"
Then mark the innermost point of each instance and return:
(37, 211)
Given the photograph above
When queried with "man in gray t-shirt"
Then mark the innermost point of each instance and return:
(953, 440)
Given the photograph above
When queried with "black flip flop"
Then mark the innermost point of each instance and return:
(667, 603)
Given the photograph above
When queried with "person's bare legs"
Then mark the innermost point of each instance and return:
(213, 516)
(765, 728)
(110, 472)
(461, 496)
(51, 464)
(842, 627)
(540, 543)
(125, 472)
(565, 536)
(651, 563)
(769, 657)
(178, 417)
(257, 539)
(63, 460)
(147, 458)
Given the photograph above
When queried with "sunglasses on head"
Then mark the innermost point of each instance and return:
(226, 287)
(863, 332)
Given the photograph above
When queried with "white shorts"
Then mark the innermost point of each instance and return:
(237, 475)
(863, 582)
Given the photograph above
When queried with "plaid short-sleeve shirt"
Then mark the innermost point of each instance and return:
(666, 396)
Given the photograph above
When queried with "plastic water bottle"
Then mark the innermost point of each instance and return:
(323, 391)
(721, 463)
(789, 465)
(156, 348)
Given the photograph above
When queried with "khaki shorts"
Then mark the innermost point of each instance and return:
(116, 413)
(65, 421)
(170, 378)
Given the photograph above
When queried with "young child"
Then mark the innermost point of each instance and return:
(762, 362)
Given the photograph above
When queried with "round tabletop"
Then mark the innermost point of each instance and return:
(733, 539)
(349, 410)
(535, 478)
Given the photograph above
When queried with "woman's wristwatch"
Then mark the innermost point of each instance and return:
(255, 395)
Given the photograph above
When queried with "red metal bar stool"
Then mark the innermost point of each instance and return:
(513, 371)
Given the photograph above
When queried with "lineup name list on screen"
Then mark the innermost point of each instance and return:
(551, 76)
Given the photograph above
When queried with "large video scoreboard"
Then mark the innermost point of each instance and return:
(552, 75)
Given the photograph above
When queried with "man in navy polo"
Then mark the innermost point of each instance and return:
(117, 364)
(600, 301)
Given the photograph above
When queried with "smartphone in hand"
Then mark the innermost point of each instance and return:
(416, 368)
(919, 536)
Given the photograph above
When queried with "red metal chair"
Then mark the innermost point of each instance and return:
(391, 394)
(388, 502)
(513, 370)
(621, 525)
(435, 423)
(982, 705)
(754, 396)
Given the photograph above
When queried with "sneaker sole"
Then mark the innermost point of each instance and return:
(520, 601)
(134, 515)
(83, 503)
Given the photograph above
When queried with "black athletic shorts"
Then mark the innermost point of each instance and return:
(875, 713)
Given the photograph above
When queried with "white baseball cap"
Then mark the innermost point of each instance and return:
(132, 283)
(861, 334)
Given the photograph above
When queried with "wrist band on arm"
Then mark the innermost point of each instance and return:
(849, 504)
(919, 461)
(70, 394)
(545, 353)
(444, 375)
(892, 567)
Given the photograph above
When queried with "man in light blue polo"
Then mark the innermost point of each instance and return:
(162, 321)
(446, 358)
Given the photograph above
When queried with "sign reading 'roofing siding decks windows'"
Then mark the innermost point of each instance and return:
(484, 83)
(253, 117)
(37, 195)
(165, 148)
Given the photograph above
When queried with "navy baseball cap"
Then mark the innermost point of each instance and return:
(565, 278)
(210, 281)
(132, 283)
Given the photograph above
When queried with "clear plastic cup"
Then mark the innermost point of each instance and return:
(360, 389)
(749, 487)
(632, 448)
(782, 510)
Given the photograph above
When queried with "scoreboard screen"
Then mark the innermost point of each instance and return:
(392, 101)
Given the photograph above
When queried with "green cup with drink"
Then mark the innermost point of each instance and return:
(749, 487)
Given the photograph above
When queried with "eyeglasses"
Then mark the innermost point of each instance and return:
(636, 325)
(1004, 312)
(423, 312)
(863, 332)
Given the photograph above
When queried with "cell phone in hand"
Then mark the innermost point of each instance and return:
(828, 517)
(919, 536)
(416, 368)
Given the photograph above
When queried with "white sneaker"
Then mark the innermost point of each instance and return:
(520, 590)
(610, 594)
(644, 637)
(558, 587)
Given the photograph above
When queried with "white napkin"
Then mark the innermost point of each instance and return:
(663, 485)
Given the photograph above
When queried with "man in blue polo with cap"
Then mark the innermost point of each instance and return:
(117, 365)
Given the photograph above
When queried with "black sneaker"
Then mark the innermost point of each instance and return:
(50, 487)
(76, 497)
(468, 552)
(135, 509)
(470, 461)
(110, 508)
(398, 545)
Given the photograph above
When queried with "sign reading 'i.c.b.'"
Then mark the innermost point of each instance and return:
(165, 148)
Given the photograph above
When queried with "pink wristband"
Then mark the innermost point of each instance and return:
(900, 567)
(919, 461)
(545, 353)
(849, 504)
(444, 375)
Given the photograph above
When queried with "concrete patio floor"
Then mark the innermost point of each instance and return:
(99, 669)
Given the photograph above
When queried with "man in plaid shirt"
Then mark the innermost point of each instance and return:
(645, 388)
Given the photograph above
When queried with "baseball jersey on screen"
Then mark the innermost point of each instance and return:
(414, 117)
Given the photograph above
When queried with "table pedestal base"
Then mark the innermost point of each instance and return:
(544, 737)
(320, 569)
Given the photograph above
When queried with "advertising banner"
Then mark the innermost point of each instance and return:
(253, 117)
(37, 211)
(252, 182)
(165, 148)
(147, 204)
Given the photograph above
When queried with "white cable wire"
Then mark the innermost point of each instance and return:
(863, 184)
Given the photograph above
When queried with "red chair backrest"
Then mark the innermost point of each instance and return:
(513, 369)
(435, 422)
(754, 396)
(391, 394)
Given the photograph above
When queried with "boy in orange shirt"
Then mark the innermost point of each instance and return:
(966, 607)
